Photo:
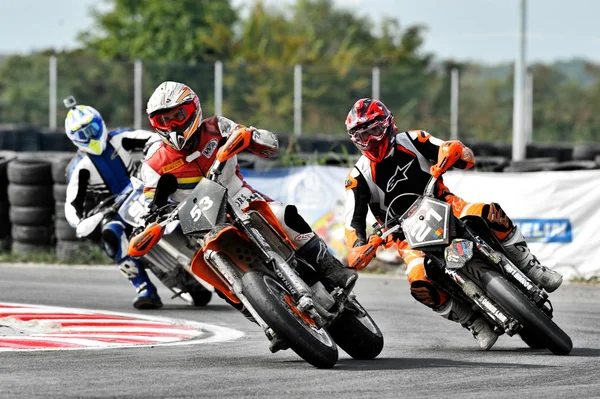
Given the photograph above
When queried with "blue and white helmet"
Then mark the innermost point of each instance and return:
(86, 129)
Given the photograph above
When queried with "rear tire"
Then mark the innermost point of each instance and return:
(534, 321)
(357, 336)
(268, 297)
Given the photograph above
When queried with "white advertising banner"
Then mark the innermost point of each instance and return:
(557, 212)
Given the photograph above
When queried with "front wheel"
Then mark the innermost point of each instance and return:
(278, 309)
(357, 335)
(534, 321)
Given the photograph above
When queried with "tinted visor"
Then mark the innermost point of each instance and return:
(172, 118)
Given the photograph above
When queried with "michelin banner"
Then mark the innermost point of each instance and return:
(557, 212)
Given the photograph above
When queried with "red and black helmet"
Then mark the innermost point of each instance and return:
(370, 125)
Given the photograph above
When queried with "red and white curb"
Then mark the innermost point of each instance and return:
(34, 327)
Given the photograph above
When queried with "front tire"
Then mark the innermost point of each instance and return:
(200, 295)
(534, 321)
(357, 336)
(277, 308)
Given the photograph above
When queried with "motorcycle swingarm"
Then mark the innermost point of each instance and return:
(478, 296)
(514, 275)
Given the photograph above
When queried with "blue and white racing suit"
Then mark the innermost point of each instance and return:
(96, 177)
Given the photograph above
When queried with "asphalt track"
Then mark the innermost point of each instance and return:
(424, 355)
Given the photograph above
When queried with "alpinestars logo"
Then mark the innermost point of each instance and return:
(399, 176)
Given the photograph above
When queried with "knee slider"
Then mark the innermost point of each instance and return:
(425, 293)
(129, 268)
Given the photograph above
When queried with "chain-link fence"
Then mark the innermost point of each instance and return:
(307, 100)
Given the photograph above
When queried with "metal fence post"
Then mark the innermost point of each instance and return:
(297, 100)
(454, 92)
(218, 88)
(529, 107)
(519, 149)
(52, 92)
(375, 83)
(137, 94)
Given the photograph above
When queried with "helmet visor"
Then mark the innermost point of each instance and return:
(172, 118)
(87, 133)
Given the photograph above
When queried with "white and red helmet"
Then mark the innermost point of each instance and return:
(175, 113)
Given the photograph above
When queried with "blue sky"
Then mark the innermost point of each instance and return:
(479, 30)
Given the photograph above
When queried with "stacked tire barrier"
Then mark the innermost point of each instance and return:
(31, 201)
(5, 158)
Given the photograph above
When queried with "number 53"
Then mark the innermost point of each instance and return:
(204, 204)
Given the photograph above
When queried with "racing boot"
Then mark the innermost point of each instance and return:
(277, 344)
(316, 253)
(471, 320)
(147, 296)
(517, 250)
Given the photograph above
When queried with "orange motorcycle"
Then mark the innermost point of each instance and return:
(247, 257)
(465, 259)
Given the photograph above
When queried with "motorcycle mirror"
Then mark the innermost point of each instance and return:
(171, 226)
(167, 185)
(143, 242)
(87, 226)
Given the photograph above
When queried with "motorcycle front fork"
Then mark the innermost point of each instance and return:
(222, 263)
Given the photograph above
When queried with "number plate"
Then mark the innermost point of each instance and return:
(427, 223)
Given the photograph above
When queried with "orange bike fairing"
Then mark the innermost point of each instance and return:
(264, 209)
(201, 269)
(215, 243)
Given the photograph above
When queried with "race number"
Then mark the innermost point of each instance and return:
(204, 204)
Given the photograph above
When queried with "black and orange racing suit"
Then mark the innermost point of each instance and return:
(406, 169)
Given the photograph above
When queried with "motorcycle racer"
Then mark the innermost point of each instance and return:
(395, 162)
(104, 169)
(190, 146)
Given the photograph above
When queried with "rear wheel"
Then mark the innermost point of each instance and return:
(357, 335)
(535, 323)
(278, 309)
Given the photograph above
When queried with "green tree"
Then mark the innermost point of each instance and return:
(337, 49)
(158, 30)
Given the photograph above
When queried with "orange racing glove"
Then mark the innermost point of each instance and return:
(359, 257)
(450, 152)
